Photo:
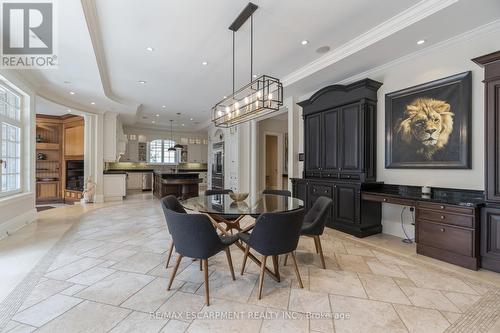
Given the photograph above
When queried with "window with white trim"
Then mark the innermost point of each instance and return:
(10, 141)
(159, 153)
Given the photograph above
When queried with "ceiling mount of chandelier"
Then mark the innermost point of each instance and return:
(263, 95)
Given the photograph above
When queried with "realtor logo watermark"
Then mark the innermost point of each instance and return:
(28, 34)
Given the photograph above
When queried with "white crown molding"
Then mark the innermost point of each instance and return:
(396, 23)
(94, 28)
(468, 35)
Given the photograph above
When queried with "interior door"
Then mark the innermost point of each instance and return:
(330, 140)
(271, 161)
(313, 142)
(350, 139)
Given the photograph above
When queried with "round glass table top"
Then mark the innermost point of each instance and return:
(222, 204)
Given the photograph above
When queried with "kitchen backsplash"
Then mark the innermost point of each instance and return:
(142, 165)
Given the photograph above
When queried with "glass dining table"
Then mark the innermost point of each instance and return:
(226, 214)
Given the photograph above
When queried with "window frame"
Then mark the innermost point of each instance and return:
(18, 123)
(165, 144)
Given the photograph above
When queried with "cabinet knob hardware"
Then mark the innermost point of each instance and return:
(385, 199)
(442, 229)
(442, 207)
(443, 217)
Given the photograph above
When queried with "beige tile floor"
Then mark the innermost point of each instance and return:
(107, 274)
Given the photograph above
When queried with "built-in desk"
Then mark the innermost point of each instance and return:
(446, 223)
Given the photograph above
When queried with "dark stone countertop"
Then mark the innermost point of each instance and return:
(128, 170)
(461, 197)
(177, 175)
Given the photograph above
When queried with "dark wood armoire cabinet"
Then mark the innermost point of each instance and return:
(340, 154)
(490, 219)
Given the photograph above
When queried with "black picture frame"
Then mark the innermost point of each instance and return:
(456, 92)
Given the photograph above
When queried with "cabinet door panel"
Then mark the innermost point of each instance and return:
(493, 140)
(73, 141)
(330, 140)
(313, 142)
(350, 128)
(346, 203)
(490, 234)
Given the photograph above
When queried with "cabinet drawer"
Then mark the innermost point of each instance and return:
(446, 208)
(320, 190)
(352, 177)
(446, 237)
(445, 217)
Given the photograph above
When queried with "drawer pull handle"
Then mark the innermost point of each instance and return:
(443, 217)
(442, 207)
(442, 229)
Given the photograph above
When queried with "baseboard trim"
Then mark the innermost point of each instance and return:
(9, 227)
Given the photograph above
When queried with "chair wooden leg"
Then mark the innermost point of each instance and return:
(230, 262)
(297, 269)
(245, 257)
(276, 269)
(177, 263)
(261, 276)
(316, 244)
(318, 241)
(170, 249)
(286, 258)
(205, 268)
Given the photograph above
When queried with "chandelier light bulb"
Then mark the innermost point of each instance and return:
(246, 100)
(270, 97)
(258, 94)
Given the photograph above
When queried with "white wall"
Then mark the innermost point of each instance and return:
(19, 210)
(446, 59)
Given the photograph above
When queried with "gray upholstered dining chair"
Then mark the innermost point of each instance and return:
(285, 193)
(274, 234)
(173, 204)
(314, 224)
(195, 237)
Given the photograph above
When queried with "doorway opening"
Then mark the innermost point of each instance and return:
(272, 162)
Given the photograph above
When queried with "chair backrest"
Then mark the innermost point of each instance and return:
(285, 193)
(194, 235)
(277, 233)
(316, 216)
(172, 203)
(217, 191)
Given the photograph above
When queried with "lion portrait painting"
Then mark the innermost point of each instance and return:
(426, 126)
(429, 125)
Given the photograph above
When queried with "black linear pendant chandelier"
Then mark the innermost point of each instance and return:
(260, 97)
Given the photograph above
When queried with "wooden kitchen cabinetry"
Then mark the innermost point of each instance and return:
(74, 139)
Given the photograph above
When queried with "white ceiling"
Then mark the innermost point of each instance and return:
(112, 35)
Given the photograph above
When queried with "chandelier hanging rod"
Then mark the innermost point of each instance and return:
(243, 17)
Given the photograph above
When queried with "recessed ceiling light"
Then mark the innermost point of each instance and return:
(164, 106)
(204, 63)
(152, 122)
(225, 96)
(191, 119)
(182, 124)
(142, 82)
(304, 42)
(150, 49)
(93, 103)
(69, 111)
(157, 115)
(420, 42)
(71, 92)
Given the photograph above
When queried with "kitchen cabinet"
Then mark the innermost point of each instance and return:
(340, 154)
(48, 190)
(490, 221)
(134, 181)
(197, 153)
(114, 187)
(74, 140)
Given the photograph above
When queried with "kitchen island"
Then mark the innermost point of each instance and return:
(181, 184)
